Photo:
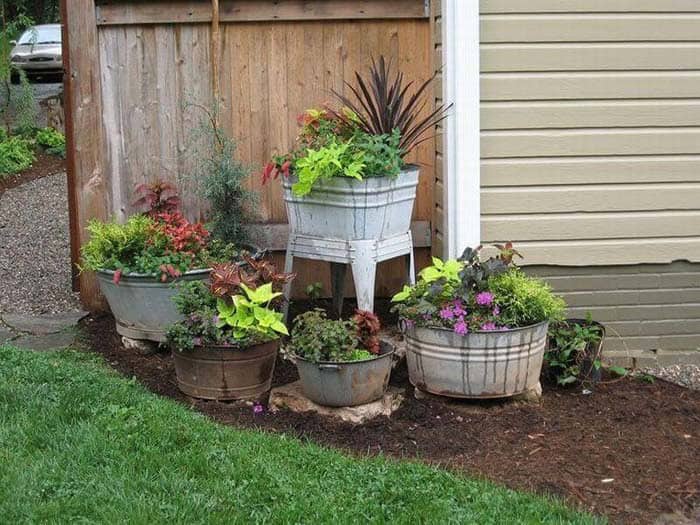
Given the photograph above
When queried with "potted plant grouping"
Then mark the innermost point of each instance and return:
(139, 263)
(476, 328)
(347, 178)
(340, 362)
(226, 344)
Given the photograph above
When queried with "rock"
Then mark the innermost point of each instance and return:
(140, 346)
(46, 342)
(42, 324)
(534, 395)
(292, 397)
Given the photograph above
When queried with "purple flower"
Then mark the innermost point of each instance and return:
(215, 319)
(496, 311)
(458, 308)
(489, 327)
(461, 327)
(447, 313)
(484, 298)
(410, 323)
(258, 408)
(503, 328)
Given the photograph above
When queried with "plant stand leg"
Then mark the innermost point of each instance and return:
(338, 272)
(288, 267)
(364, 269)
(411, 263)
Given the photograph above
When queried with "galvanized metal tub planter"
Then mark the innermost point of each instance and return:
(346, 208)
(478, 364)
(346, 384)
(226, 373)
(142, 305)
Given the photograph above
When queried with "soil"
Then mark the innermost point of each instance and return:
(628, 451)
(44, 165)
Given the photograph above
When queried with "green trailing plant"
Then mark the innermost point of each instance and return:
(227, 312)
(317, 338)
(16, 154)
(314, 290)
(53, 141)
(332, 160)
(471, 294)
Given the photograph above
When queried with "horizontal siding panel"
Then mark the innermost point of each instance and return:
(589, 28)
(660, 298)
(669, 327)
(587, 6)
(572, 86)
(579, 226)
(589, 114)
(612, 252)
(638, 312)
(646, 141)
(609, 279)
(669, 342)
(589, 57)
(602, 198)
(589, 170)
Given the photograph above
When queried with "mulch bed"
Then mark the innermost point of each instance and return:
(641, 438)
(44, 166)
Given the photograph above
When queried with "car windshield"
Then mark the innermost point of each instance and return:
(41, 35)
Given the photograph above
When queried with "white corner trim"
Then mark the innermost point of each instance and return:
(460, 44)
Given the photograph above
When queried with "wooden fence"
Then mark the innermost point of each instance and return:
(131, 65)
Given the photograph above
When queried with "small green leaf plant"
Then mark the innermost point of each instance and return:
(53, 141)
(250, 315)
(317, 338)
(16, 155)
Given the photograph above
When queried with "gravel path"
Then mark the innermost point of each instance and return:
(35, 248)
(683, 375)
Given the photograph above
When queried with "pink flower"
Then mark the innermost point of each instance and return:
(489, 327)
(461, 327)
(447, 313)
(458, 308)
(484, 298)
(258, 408)
(496, 311)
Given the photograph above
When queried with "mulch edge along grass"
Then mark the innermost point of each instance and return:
(78, 442)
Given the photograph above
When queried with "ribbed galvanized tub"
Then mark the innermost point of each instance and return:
(225, 373)
(476, 365)
(346, 384)
(345, 208)
(142, 305)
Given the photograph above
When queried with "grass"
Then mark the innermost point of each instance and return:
(78, 443)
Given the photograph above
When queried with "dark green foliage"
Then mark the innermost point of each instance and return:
(317, 338)
(570, 345)
(381, 154)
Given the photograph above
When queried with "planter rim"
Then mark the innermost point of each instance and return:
(471, 332)
(228, 348)
(380, 356)
(407, 169)
(135, 275)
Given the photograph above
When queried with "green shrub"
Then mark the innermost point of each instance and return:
(525, 300)
(16, 155)
(53, 141)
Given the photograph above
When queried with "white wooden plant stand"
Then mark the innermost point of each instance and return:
(361, 255)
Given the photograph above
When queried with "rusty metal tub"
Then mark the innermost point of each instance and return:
(226, 373)
(476, 365)
(346, 384)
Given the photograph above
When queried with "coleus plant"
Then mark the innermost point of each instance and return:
(250, 313)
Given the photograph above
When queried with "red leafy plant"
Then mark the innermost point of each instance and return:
(157, 197)
(368, 327)
(227, 278)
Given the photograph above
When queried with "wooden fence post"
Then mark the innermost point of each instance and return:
(87, 193)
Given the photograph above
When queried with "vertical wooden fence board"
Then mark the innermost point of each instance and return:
(153, 76)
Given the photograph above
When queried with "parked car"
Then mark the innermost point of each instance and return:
(38, 52)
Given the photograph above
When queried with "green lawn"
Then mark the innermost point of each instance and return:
(78, 443)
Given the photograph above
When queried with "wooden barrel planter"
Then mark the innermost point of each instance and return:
(142, 305)
(476, 365)
(226, 373)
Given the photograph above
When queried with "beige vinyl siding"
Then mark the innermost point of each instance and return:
(591, 129)
(644, 307)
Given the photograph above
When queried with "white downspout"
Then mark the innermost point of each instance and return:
(460, 44)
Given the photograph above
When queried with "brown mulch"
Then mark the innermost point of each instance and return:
(44, 166)
(628, 451)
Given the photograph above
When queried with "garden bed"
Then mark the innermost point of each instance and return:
(629, 451)
(44, 165)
